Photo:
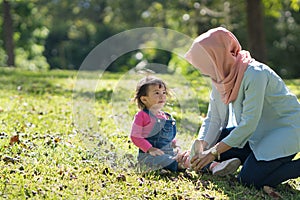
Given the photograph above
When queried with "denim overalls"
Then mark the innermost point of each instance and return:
(161, 136)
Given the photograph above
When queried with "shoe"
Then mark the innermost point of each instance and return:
(226, 167)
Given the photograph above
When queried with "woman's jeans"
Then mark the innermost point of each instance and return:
(261, 173)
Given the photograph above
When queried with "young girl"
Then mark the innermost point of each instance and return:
(154, 130)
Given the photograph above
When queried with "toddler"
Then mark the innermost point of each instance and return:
(153, 131)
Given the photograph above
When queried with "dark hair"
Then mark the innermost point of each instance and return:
(142, 88)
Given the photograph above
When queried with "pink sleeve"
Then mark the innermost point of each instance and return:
(137, 136)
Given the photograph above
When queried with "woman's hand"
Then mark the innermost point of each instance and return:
(155, 151)
(200, 160)
(198, 147)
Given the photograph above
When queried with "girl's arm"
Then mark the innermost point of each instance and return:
(141, 124)
(145, 146)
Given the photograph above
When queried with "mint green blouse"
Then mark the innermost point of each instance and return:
(266, 112)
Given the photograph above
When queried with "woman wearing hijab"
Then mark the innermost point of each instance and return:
(267, 136)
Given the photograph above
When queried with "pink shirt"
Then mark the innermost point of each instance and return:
(141, 128)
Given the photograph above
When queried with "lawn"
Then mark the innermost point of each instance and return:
(62, 137)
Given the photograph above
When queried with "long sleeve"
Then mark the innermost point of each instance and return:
(138, 140)
(215, 119)
(253, 90)
(138, 132)
(267, 115)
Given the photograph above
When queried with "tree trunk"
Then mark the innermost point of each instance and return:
(8, 34)
(256, 34)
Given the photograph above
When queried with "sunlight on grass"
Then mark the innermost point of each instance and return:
(45, 155)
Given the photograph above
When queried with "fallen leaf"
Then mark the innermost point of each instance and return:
(8, 159)
(271, 192)
(121, 177)
(56, 140)
(14, 139)
(106, 172)
(207, 196)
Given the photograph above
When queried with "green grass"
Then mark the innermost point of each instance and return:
(63, 153)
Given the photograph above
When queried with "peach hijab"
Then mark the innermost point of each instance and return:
(218, 54)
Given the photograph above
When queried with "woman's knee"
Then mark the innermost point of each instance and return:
(249, 180)
(252, 173)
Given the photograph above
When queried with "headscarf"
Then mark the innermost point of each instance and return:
(218, 54)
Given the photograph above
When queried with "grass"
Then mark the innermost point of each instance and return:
(61, 143)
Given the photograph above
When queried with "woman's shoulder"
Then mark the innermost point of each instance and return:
(257, 70)
(255, 67)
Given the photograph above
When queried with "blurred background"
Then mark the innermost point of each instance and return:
(59, 34)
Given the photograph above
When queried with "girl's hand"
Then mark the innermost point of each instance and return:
(155, 151)
(182, 157)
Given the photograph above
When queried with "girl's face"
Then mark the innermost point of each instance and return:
(155, 98)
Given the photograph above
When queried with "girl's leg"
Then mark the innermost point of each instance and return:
(150, 163)
(260, 173)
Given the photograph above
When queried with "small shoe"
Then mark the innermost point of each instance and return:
(226, 167)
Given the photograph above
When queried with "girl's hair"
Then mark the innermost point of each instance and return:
(142, 88)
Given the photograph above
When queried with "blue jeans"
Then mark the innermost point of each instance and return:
(260, 173)
(270, 173)
(241, 153)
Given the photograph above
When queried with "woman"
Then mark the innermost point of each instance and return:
(267, 135)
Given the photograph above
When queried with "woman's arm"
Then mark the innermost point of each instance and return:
(254, 88)
(215, 119)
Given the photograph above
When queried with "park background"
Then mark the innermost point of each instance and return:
(58, 34)
(44, 155)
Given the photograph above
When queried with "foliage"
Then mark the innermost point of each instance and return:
(29, 36)
(283, 38)
(60, 34)
(44, 155)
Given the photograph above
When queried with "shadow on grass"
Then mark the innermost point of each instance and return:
(228, 185)
(46, 82)
(34, 83)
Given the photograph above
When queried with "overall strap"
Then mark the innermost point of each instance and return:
(152, 115)
(148, 112)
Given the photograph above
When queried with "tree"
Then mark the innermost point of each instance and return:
(8, 33)
(37, 33)
(23, 34)
(255, 27)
